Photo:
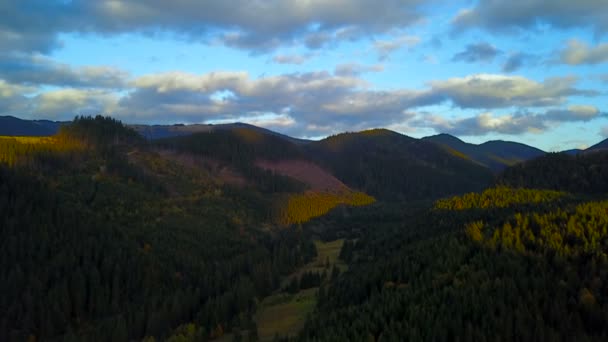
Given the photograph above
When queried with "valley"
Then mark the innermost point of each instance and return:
(237, 234)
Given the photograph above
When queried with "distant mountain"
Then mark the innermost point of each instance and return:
(392, 166)
(153, 132)
(602, 145)
(496, 154)
(573, 151)
(12, 126)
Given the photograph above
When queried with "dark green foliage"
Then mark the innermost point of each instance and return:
(391, 166)
(96, 248)
(419, 276)
(582, 173)
(99, 131)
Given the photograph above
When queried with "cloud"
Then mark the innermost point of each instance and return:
(40, 70)
(513, 124)
(516, 61)
(504, 16)
(30, 102)
(577, 53)
(291, 59)
(58, 104)
(480, 52)
(604, 131)
(32, 25)
(499, 91)
(386, 47)
(300, 103)
(604, 78)
(356, 69)
(574, 113)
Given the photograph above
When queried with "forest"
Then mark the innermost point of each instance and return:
(106, 236)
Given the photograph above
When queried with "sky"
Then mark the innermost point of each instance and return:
(532, 71)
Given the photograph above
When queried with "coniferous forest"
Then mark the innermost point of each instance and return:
(107, 236)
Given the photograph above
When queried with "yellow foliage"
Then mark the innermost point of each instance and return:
(303, 207)
(499, 197)
(15, 149)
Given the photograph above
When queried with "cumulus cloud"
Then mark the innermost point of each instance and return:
(355, 69)
(577, 52)
(39, 70)
(303, 103)
(291, 59)
(31, 102)
(514, 124)
(495, 15)
(32, 25)
(494, 91)
(385, 48)
(66, 103)
(480, 52)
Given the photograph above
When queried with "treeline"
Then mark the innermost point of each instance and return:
(498, 197)
(99, 131)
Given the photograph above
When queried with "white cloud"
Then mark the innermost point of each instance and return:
(386, 47)
(514, 123)
(297, 102)
(291, 59)
(494, 91)
(577, 52)
(355, 69)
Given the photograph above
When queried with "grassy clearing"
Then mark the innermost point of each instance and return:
(285, 314)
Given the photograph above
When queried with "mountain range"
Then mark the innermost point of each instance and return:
(206, 232)
(495, 155)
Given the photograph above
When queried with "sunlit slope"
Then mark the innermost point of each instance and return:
(496, 154)
(15, 150)
(301, 189)
(391, 166)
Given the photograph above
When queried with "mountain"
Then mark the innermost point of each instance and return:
(12, 126)
(602, 145)
(128, 238)
(153, 132)
(496, 154)
(392, 166)
(573, 151)
(582, 173)
(241, 234)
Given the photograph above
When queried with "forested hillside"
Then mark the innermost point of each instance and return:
(391, 166)
(112, 242)
(581, 173)
(106, 236)
(530, 269)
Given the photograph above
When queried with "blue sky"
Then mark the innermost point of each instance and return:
(534, 71)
